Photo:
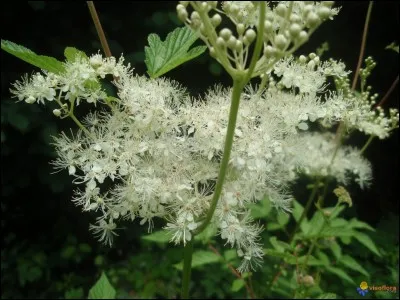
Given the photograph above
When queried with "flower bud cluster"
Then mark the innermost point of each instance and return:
(287, 26)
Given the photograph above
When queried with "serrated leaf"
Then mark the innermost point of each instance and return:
(351, 263)
(102, 289)
(335, 231)
(162, 57)
(237, 284)
(201, 258)
(72, 53)
(367, 242)
(41, 61)
(327, 296)
(340, 273)
(161, 236)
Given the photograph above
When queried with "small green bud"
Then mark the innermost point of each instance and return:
(240, 28)
(312, 19)
(294, 29)
(280, 41)
(30, 100)
(57, 112)
(324, 12)
(281, 10)
(250, 35)
(216, 20)
(225, 33)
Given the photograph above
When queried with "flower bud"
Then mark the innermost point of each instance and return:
(216, 20)
(303, 36)
(294, 29)
(250, 35)
(30, 100)
(281, 10)
(225, 33)
(281, 41)
(312, 19)
(324, 12)
(57, 112)
(240, 28)
(231, 42)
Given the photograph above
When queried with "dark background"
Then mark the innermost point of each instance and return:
(36, 211)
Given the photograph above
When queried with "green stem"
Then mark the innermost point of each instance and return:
(367, 144)
(237, 91)
(238, 84)
(187, 268)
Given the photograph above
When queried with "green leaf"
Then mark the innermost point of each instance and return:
(327, 296)
(336, 250)
(393, 46)
(340, 273)
(72, 53)
(162, 57)
(297, 210)
(279, 245)
(316, 223)
(161, 236)
(43, 62)
(271, 226)
(237, 284)
(201, 258)
(351, 263)
(283, 218)
(354, 223)
(230, 254)
(102, 289)
(279, 254)
(19, 122)
(261, 209)
(367, 242)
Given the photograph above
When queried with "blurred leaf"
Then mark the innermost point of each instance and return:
(297, 210)
(201, 258)
(327, 296)
(351, 263)
(19, 122)
(230, 254)
(354, 223)
(336, 250)
(43, 62)
(237, 284)
(85, 248)
(367, 242)
(73, 293)
(102, 289)
(72, 53)
(279, 245)
(316, 223)
(283, 218)
(261, 209)
(162, 57)
(68, 252)
(340, 273)
(393, 46)
(161, 236)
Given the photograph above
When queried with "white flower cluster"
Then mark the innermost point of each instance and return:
(160, 149)
(157, 152)
(79, 81)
